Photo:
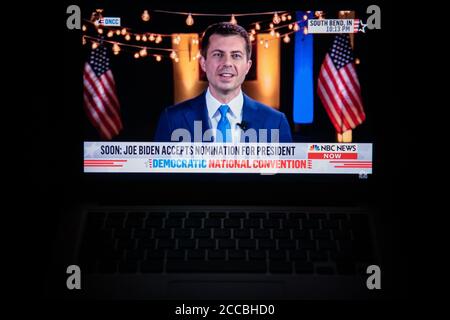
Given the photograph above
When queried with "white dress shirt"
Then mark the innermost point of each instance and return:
(234, 115)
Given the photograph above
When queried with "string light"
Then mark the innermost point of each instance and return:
(84, 28)
(127, 37)
(305, 17)
(289, 17)
(277, 34)
(257, 26)
(143, 52)
(272, 33)
(177, 40)
(173, 55)
(283, 17)
(144, 38)
(100, 31)
(233, 19)
(145, 16)
(118, 32)
(290, 26)
(305, 31)
(136, 55)
(138, 37)
(124, 31)
(158, 58)
(94, 45)
(177, 59)
(84, 41)
(271, 26)
(116, 49)
(296, 27)
(158, 39)
(152, 37)
(357, 61)
(110, 34)
(189, 20)
(252, 37)
(286, 39)
(276, 18)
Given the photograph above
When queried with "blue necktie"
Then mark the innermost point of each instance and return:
(224, 124)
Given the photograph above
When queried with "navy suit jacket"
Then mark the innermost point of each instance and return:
(255, 115)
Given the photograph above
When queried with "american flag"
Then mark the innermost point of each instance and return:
(338, 86)
(99, 94)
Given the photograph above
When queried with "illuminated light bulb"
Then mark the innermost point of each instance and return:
(233, 19)
(136, 55)
(144, 38)
(124, 31)
(308, 11)
(257, 26)
(116, 49)
(94, 45)
(277, 34)
(286, 39)
(305, 17)
(266, 44)
(145, 16)
(271, 25)
(296, 27)
(253, 31)
(357, 61)
(84, 28)
(289, 17)
(252, 37)
(290, 26)
(177, 59)
(84, 40)
(143, 52)
(152, 37)
(272, 33)
(100, 31)
(118, 32)
(138, 37)
(158, 39)
(173, 55)
(276, 18)
(110, 34)
(189, 20)
(283, 17)
(127, 37)
(158, 58)
(305, 31)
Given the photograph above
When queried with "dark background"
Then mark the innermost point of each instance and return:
(54, 128)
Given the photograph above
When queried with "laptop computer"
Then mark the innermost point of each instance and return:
(144, 224)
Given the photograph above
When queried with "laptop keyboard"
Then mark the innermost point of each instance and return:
(227, 241)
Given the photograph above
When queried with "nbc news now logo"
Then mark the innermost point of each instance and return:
(332, 148)
(108, 21)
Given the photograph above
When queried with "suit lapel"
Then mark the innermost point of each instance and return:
(250, 114)
(198, 112)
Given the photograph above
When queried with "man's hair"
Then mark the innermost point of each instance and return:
(226, 29)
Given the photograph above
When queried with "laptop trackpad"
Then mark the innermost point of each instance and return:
(225, 289)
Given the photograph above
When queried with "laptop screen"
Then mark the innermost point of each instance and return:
(260, 91)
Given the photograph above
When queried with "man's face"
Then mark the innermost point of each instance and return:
(226, 63)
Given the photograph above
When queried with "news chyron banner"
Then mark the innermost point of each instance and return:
(157, 157)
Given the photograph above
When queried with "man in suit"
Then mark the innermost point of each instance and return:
(223, 113)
